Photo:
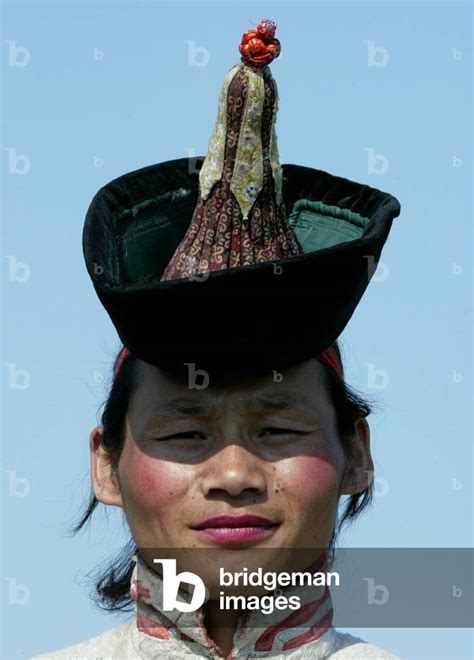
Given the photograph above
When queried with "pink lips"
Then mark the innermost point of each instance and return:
(236, 529)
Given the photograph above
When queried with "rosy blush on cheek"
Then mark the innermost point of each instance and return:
(150, 484)
(308, 477)
(309, 485)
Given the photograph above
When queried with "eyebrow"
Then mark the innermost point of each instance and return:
(284, 401)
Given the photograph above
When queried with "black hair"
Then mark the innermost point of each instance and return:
(111, 591)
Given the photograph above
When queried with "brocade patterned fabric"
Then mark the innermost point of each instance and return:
(226, 231)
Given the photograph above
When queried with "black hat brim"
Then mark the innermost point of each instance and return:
(266, 316)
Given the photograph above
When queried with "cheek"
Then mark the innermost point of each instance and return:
(150, 485)
(312, 481)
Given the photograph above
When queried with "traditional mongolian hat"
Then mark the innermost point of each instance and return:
(232, 261)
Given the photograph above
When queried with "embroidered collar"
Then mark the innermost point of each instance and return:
(257, 634)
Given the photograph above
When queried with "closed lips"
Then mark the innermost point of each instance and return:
(235, 522)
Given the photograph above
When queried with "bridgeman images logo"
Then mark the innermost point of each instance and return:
(269, 581)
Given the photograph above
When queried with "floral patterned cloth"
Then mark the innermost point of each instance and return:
(222, 232)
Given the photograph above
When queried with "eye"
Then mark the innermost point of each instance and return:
(187, 435)
(279, 431)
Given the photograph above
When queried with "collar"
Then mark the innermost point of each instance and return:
(257, 634)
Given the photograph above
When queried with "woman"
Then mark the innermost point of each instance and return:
(246, 472)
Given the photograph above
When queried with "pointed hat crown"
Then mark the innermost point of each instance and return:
(245, 83)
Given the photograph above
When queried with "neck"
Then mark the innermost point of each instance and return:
(221, 625)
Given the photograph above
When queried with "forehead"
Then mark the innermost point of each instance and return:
(302, 385)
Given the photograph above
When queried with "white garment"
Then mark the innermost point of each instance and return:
(127, 642)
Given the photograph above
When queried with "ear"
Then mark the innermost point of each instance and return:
(104, 479)
(360, 471)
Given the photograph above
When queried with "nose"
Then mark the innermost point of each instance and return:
(234, 471)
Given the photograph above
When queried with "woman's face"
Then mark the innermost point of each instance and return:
(255, 448)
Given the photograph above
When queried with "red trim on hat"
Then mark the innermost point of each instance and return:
(330, 357)
(122, 355)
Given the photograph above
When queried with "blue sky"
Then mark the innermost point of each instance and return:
(93, 90)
